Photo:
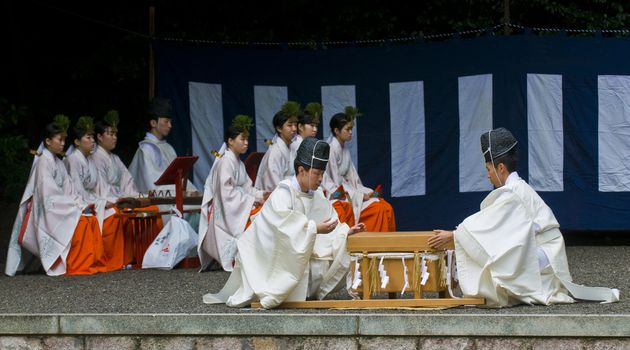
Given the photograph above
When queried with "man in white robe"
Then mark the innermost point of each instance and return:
(155, 154)
(511, 251)
(295, 248)
(276, 163)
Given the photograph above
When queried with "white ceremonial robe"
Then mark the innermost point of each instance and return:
(275, 166)
(82, 171)
(148, 164)
(341, 171)
(282, 258)
(116, 180)
(56, 210)
(228, 199)
(512, 252)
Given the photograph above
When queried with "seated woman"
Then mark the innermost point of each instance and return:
(374, 212)
(275, 165)
(59, 228)
(115, 181)
(228, 199)
(92, 189)
(307, 125)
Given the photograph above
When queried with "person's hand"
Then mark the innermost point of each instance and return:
(360, 227)
(367, 196)
(109, 205)
(327, 226)
(440, 239)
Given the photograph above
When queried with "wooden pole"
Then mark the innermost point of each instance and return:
(506, 17)
(151, 58)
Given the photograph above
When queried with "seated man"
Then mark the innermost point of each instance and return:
(512, 251)
(155, 154)
(295, 248)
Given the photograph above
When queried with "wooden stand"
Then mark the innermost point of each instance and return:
(369, 247)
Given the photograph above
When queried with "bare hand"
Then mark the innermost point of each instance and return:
(367, 196)
(360, 227)
(440, 239)
(327, 226)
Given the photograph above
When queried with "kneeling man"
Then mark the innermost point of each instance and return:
(295, 248)
(511, 251)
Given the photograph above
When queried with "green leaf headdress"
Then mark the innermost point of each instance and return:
(242, 122)
(314, 110)
(291, 109)
(62, 122)
(112, 119)
(85, 124)
(352, 113)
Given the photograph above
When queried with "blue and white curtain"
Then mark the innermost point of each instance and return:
(567, 100)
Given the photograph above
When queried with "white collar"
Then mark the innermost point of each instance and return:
(513, 177)
(296, 185)
(150, 135)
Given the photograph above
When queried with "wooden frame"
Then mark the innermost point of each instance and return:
(411, 244)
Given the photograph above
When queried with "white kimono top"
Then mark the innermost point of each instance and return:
(116, 180)
(151, 159)
(82, 171)
(512, 252)
(295, 144)
(275, 166)
(56, 209)
(341, 171)
(281, 256)
(228, 198)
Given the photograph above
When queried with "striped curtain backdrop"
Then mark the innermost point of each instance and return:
(424, 108)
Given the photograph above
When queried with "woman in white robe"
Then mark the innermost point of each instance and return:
(54, 228)
(376, 213)
(276, 163)
(307, 126)
(295, 248)
(228, 199)
(94, 189)
(511, 251)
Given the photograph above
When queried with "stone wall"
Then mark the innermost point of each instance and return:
(299, 342)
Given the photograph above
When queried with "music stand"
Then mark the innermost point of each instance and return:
(177, 173)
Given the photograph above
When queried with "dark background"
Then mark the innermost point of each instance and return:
(87, 57)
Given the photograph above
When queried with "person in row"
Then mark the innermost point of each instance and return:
(368, 208)
(229, 199)
(275, 165)
(85, 176)
(512, 251)
(55, 225)
(295, 247)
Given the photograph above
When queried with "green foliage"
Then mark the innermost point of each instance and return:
(62, 122)
(13, 152)
(112, 119)
(242, 122)
(86, 123)
(352, 112)
(291, 108)
(314, 109)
